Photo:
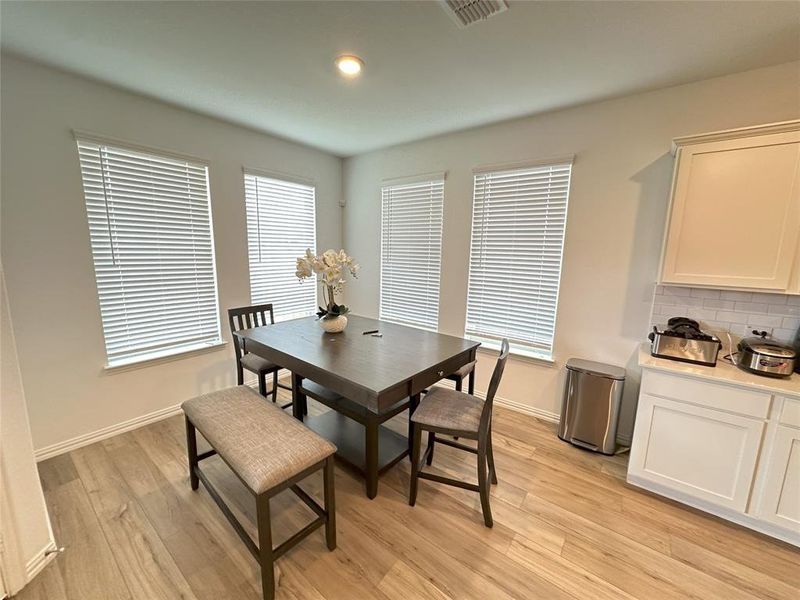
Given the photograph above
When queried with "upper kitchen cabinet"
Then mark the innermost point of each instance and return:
(735, 212)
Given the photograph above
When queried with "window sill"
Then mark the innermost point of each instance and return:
(149, 362)
(493, 348)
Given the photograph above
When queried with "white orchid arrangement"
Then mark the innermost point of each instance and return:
(330, 266)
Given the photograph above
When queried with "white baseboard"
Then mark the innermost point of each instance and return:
(106, 432)
(112, 430)
(544, 415)
(40, 560)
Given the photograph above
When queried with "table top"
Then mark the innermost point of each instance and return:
(372, 364)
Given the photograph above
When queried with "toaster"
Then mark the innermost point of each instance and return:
(683, 341)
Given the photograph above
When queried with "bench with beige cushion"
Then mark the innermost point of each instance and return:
(269, 451)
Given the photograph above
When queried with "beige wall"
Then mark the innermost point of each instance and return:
(47, 256)
(617, 207)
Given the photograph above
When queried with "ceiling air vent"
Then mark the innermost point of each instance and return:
(469, 12)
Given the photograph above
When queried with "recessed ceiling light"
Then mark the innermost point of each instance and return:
(349, 65)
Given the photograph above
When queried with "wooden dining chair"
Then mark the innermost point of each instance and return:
(449, 412)
(247, 317)
(465, 372)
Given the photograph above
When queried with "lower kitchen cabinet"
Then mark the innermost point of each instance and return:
(703, 452)
(731, 450)
(780, 496)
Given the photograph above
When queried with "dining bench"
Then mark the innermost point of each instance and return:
(269, 451)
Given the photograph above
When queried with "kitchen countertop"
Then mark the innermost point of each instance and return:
(724, 372)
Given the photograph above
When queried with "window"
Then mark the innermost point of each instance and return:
(281, 224)
(518, 220)
(152, 244)
(411, 248)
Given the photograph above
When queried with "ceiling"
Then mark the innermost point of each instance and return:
(269, 65)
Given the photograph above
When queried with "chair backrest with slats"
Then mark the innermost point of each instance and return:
(247, 317)
(486, 414)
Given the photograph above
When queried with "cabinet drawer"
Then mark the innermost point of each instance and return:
(790, 414)
(721, 397)
(427, 378)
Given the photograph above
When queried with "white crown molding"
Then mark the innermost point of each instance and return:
(739, 132)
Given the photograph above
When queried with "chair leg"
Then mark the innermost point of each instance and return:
(483, 483)
(274, 386)
(265, 559)
(191, 447)
(239, 374)
(415, 447)
(471, 383)
(431, 442)
(490, 458)
(459, 384)
(262, 384)
(330, 504)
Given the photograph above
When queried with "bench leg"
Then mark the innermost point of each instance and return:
(265, 559)
(191, 448)
(330, 504)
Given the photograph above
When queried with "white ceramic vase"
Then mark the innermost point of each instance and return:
(333, 324)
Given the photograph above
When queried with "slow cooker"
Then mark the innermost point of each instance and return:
(766, 357)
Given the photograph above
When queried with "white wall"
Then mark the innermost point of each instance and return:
(24, 523)
(47, 256)
(618, 201)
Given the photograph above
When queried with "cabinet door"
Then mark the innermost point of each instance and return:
(735, 214)
(781, 496)
(704, 453)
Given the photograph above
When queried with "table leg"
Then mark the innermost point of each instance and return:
(298, 398)
(371, 457)
(411, 408)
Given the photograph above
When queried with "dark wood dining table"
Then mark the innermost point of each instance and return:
(376, 376)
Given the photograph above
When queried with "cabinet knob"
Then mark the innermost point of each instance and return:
(440, 373)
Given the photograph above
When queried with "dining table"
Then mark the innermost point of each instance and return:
(366, 374)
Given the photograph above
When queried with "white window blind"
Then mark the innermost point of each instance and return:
(411, 248)
(152, 244)
(518, 221)
(281, 225)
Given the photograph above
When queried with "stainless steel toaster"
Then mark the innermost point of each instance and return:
(682, 340)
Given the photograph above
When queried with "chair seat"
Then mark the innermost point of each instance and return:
(261, 443)
(463, 371)
(256, 364)
(449, 409)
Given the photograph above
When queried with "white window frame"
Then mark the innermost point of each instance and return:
(258, 214)
(519, 347)
(109, 231)
(413, 189)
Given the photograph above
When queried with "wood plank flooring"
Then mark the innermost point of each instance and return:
(567, 526)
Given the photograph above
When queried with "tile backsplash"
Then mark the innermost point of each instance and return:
(735, 312)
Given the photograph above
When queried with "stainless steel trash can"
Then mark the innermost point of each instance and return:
(590, 410)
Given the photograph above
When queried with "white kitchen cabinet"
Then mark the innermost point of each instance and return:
(780, 495)
(734, 217)
(721, 440)
(702, 452)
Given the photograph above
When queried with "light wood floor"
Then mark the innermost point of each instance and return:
(566, 526)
